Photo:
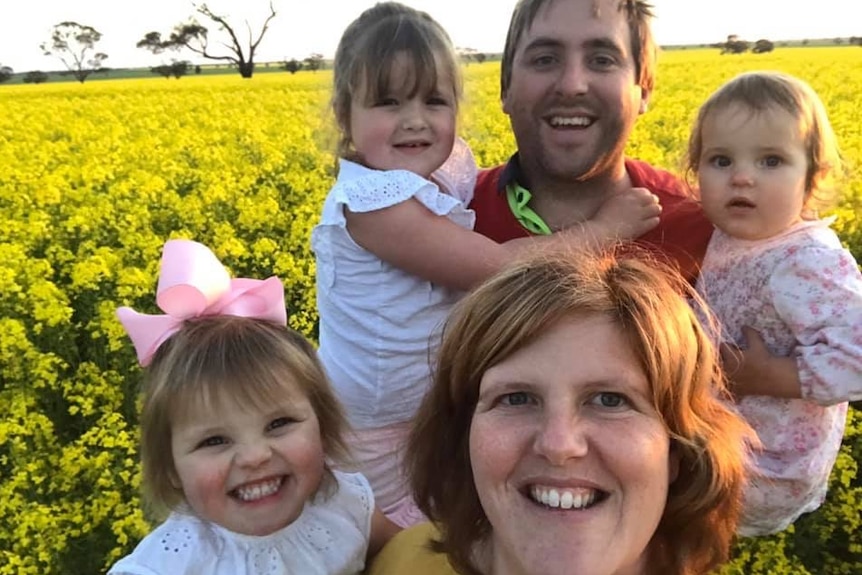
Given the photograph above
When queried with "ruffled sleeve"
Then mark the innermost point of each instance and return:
(457, 176)
(360, 189)
(818, 293)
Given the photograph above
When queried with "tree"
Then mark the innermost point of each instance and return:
(35, 77)
(762, 46)
(734, 45)
(5, 73)
(293, 66)
(177, 69)
(314, 62)
(195, 37)
(75, 45)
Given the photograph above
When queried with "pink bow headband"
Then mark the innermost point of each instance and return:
(192, 284)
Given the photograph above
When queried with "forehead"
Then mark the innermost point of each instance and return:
(216, 401)
(579, 22)
(577, 351)
(738, 123)
(404, 74)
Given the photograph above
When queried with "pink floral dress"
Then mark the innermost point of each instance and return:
(803, 292)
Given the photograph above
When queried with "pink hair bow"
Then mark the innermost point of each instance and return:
(192, 284)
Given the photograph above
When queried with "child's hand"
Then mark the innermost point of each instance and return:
(626, 215)
(754, 370)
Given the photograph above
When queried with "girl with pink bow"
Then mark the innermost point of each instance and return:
(238, 433)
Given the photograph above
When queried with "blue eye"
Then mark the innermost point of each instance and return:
(212, 441)
(602, 61)
(772, 161)
(437, 101)
(609, 400)
(720, 161)
(279, 422)
(543, 60)
(516, 398)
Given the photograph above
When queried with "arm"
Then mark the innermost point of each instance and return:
(818, 294)
(410, 237)
(753, 370)
(382, 530)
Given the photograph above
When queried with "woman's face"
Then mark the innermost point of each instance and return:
(570, 460)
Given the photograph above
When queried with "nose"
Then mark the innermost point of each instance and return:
(742, 177)
(413, 116)
(573, 80)
(562, 436)
(253, 454)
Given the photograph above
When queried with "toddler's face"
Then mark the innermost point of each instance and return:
(401, 132)
(752, 171)
(249, 469)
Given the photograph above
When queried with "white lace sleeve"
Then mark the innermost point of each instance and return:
(360, 189)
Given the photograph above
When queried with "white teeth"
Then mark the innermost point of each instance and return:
(564, 498)
(570, 121)
(259, 490)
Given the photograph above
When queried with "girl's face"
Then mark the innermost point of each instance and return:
(401, 133)
(752, 171)
(249, 469)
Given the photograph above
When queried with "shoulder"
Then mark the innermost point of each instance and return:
(487, 180)
(410, 552)
(658, 181)
(182, 544)
(340, 513)
(816, 252)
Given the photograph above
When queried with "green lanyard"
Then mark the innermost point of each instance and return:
(518, 199)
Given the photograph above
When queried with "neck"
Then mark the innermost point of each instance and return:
(563, 203)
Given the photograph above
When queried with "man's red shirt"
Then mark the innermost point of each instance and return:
(681, 235)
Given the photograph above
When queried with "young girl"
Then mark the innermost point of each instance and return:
(788, 296)
(394, 246)
(237, 426)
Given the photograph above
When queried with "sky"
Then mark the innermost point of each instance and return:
(302, 27)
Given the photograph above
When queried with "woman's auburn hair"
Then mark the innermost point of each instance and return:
(647, 301)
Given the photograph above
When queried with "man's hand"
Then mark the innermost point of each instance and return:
(626, 215)
(753, 370)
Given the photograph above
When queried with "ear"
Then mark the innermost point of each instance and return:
(504, 101)
(645, 95)
(175, 479)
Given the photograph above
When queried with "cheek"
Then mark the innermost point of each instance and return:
(494, 449)
(203, 484)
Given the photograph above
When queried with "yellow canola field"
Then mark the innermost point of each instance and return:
(95, 177)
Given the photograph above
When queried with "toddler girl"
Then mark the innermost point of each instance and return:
(788, 296)
(395, 245)
(237, 426)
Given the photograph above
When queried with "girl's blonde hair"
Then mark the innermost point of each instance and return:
(367, 54)
(646, 302)
(232, 362)
(763, 91)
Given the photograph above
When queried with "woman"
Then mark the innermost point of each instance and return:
(576, 425)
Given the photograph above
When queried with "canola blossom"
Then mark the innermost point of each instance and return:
(95, 177)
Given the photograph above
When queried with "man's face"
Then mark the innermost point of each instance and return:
(573, 96)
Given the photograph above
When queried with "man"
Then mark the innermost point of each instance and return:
(576, 74)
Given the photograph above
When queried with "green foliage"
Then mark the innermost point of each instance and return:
(88, 199)
(826, 542)
(35, 77)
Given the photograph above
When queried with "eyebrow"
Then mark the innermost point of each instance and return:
(604, 44)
